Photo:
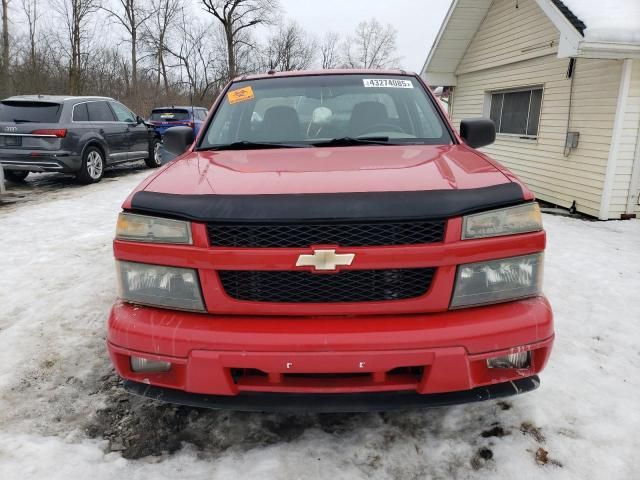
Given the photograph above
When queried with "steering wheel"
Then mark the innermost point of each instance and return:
(382, 127)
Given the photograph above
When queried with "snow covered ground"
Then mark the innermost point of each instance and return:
(63, 415)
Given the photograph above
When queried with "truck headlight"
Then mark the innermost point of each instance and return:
(505, 221)
(143, 228)
(158, 286)
(498, 280)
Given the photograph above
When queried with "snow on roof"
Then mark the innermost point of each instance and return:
(608, 20)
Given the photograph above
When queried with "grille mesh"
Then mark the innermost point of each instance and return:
(308, 287)
(342, 234)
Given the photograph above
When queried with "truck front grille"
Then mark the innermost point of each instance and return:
(308, 287)
(299, 235)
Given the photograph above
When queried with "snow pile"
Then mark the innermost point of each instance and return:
(57, 284)
(608, 20)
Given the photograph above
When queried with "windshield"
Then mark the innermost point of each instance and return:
(312, 110)
(169, 115)
(41, 112)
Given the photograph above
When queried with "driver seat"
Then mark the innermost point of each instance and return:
(365, 115)
(280, 124)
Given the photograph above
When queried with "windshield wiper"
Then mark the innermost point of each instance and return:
(245, 145)
(18, 120)
(349, 141)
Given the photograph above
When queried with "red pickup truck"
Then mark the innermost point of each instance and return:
(329, 242)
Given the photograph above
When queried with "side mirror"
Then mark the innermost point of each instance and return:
(177, 140)
(139, 119)
(478, 132)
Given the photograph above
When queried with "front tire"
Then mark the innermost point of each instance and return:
(92, 168)
(154, 160)
(15, 175)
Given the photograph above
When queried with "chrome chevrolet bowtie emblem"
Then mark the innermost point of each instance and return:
(325, 260)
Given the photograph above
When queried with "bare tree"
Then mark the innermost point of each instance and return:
(196, 56)
(372, 46)
(4, 74)
(156, 35)
(236, 17)
(290, 48)
(329, 54)
(32, 15)
(41, 54)
(108, 73)
(175, 56)
(75, 14)
(132, 15)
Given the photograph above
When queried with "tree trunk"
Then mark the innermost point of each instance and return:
(5, 48)
(32, 37)
(228, 30)
(134, 63)
(74, 74)
(165, 78)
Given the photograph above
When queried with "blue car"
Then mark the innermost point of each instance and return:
(163, 118)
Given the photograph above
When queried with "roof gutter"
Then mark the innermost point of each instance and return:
(610, 50)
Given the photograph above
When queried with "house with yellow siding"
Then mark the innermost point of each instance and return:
(561, 81)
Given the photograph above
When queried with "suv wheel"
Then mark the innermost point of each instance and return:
(92, 168)
(154, 160)
(15, 175)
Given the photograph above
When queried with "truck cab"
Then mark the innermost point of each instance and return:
(329, 242)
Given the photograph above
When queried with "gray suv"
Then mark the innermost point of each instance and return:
(79, 135)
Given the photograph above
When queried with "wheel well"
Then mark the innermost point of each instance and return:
(98, 146)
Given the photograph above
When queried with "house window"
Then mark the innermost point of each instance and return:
(516, 112)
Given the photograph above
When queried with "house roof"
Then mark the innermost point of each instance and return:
(615, 21)
(575, 21)
(588, 28)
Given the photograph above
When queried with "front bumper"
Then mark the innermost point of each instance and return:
(423, 354)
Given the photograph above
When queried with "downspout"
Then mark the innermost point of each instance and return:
(616, 136)
(571, 73)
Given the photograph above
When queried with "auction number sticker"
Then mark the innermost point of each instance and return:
(387, 83)
(240, 95)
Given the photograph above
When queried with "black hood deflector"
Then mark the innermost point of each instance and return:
(430, 204)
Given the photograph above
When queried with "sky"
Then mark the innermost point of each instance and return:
(417, 21)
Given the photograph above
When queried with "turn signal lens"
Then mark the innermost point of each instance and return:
(506, 221)
(143, 228)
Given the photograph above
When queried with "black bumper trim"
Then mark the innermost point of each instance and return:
(363, 206)
(329, 402)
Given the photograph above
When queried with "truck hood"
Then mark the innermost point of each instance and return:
(327, 184)
(328, 170)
